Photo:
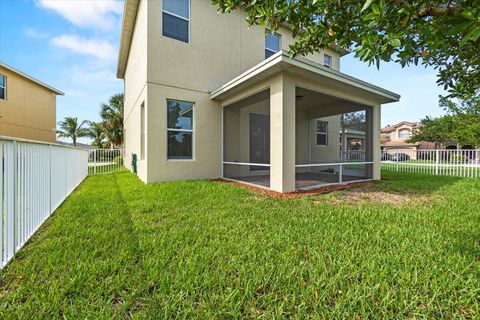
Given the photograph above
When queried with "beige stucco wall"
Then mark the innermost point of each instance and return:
(207, 124)
(221, 47)
(29, 111)
(135, 87)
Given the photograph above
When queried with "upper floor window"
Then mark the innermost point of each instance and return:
(322, 133)
(3, 87)
(179, 129)
(176, 19)
(327, 61)
(272, 44)
(404, 134)
(387, 136)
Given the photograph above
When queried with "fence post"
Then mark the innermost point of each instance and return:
(437, 161)
(94, 161)
(9, 202)
(340, 176)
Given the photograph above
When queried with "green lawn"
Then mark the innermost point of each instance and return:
(407, 247)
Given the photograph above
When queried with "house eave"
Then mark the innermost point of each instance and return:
(130, 10)
(282, 61)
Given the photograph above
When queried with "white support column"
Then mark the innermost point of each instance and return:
(282, 134)
(376, 150)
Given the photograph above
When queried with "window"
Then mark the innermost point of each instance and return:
(404, 134)
(272, 44)
(3, 87)
(322, 133)
(180, 129)
(142, 132)
(175, 19)
(327, 61)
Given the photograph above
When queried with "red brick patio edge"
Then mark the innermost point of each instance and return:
(297, 194)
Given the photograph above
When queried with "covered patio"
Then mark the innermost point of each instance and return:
(290, 124)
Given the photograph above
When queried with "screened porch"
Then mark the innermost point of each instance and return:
(332, 140)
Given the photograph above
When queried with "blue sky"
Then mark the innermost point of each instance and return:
(72, 45)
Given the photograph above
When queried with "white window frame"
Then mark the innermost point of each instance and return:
(279, 42)
(404, 130)
(319, 132)
(328, 65)
(180, 17)
(4, 87)
(192, 131)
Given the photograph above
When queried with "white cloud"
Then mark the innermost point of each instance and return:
(95, 47)
(102, 14)
(35, 34)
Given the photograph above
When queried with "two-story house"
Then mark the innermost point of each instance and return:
(395, 137)
(27, 106)
(207, 96)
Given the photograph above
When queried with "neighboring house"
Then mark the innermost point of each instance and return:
(207, 96)
(395, 140)
(27, 106)
(395, 137)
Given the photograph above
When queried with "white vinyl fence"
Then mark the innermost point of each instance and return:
(106, 161)
(458, 163)
(35, 178)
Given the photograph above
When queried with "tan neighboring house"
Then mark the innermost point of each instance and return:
(207, 96)
(395, 137)
(395, 140)
(27, 106)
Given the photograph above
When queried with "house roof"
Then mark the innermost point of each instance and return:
(130, 10)
(12, 69)
(282, 61)
(395, 126)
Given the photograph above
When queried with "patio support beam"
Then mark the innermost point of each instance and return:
(375, 115)
(282, 134)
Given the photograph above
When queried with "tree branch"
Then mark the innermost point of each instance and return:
(428, 11)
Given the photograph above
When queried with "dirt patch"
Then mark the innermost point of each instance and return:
(298, 194)
(364, 194)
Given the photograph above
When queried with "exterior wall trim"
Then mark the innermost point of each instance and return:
(282, 61)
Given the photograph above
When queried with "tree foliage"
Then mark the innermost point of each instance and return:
(463, 128)
(112, 120)
(70, 128)
(444, 34)
(96, 131)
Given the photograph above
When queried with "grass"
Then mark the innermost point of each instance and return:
(118, 249)
(448, 170)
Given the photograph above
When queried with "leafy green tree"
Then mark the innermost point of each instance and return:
(437, 130)
(96, 131)
(444, 34)
(354, 120)
(459, 106)
(462, 128)
(70, 128)
(112, 120)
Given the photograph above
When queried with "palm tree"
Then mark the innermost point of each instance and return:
(112, 119)
(69, 128)
(96, 131)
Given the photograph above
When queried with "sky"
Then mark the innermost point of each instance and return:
(72, 45)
